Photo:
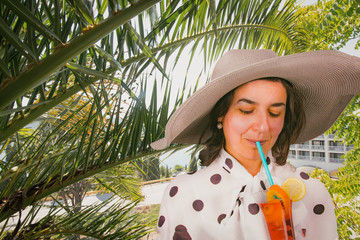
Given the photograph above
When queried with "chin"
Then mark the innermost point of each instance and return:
(254, 156)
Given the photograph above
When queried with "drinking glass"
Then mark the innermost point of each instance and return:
(278, 218)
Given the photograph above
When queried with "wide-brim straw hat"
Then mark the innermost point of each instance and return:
(327, 79)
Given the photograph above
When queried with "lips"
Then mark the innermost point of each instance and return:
(253, 142)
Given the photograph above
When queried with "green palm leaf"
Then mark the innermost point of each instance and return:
(107, 220)
(39, 72)
(72, 152)
(16, 42)
(25, 14)
(185, 29)
(97, 95)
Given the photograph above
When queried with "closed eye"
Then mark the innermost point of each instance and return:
(274, 114)
(246, 111)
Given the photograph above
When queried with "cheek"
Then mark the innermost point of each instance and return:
(276, 127)
(233, 126)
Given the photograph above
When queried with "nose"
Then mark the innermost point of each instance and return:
(261, 123)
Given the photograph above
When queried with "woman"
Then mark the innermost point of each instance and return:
(247, 101)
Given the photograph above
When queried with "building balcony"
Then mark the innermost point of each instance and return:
(292, 156)
(318, 159)
(336, 148)
(304, 146)
(318, 147)
(320, 137)
(348, 148)
(336, 160)
(304, 157)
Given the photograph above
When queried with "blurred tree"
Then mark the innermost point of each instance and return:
(75, 193)
(178, 168)
(162, 171)
(167, 173)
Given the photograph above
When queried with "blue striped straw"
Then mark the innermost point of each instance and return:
(263, 160)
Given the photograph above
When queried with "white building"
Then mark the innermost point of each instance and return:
(321, 152)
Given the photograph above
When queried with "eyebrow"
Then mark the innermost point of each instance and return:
(278, 104)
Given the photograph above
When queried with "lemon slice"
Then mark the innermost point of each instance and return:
(295, 188)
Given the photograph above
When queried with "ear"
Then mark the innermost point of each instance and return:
(220, 119)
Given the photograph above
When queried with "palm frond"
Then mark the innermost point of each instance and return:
(245, 24)
(10, 90)
(108, 220)
(70, 153)
(90, 75)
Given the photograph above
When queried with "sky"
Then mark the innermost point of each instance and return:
(181, 157)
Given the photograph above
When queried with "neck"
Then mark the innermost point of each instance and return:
(252, 166)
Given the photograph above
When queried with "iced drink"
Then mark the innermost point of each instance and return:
(278, 217)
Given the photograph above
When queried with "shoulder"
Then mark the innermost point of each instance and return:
(196, 202)
(205, 184)
(315, 189)
(315, 211)
(194, 180)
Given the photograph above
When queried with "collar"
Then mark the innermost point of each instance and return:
(237, 170)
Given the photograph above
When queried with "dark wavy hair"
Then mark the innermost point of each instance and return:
(293, 124)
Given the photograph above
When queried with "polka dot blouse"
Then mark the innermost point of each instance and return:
(222, 200)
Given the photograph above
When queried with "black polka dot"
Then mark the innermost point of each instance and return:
(319, 209)
(173, 191)
(190, 173)
(229, 163)
(161, 221)
(198, 205)
(262, 184)
(243, 188)
(304, 175)
(181, 233)
(221, 217)
(238, 201)
(180, 228)
(232, 212)
(268, 160)
(215, 179)
(253, 208)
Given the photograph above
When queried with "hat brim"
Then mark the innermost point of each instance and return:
(327, 79)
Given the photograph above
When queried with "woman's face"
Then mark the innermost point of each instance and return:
(256, 113)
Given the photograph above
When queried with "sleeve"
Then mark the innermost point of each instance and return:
(173, 221)
(320, 222)
(178, 216)
(163, 224)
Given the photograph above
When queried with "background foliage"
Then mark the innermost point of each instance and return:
(332, 23)
(96, 78)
